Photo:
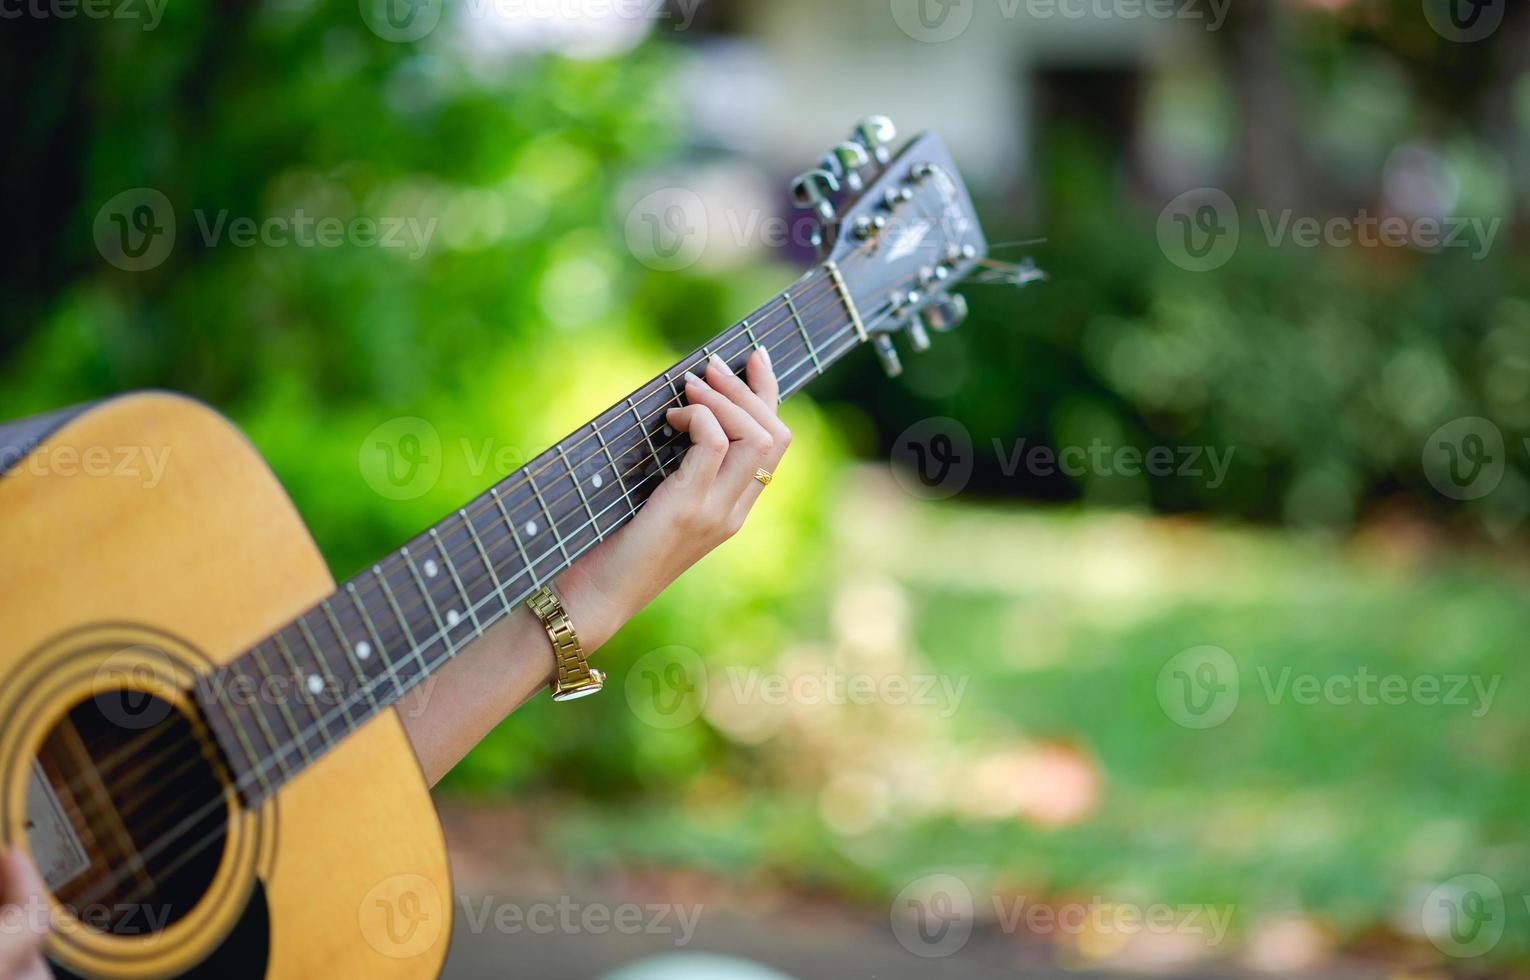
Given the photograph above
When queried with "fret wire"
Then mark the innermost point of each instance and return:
(749, 332)
(616, 469)
(350, 656)
(264, 723)
(642, 425)
(579, 489)
(531, 570)
(499, 587)
(430, 603)
(414, 648)
(231, 714)
(286, 713)
(300, 680)
(382, 654)
(451, 570)
(802, 328)
(579, 552)
(330, 679)
(552, 525)
(561, 542)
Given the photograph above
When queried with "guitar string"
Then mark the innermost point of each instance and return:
(829, 297)
(169, 837)
(195, 818)
(766, 334)
(812, 305)
(133, 751)
(533, 509)
(790, 387)
(519, 510)
(127, 806)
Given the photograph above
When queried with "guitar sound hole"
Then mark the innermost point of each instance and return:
(125, 814)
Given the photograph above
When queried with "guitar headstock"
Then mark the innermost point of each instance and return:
(900, 229)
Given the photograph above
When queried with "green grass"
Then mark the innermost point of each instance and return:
(1346, 814)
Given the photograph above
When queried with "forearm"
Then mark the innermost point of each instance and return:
(513, 661)
(734, 433)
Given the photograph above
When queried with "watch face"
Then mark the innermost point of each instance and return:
(575, 693)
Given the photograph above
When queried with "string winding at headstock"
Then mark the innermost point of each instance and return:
(901, 231)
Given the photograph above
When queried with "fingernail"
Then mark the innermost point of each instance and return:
(763, 353)
(690, 376)
(714, 359)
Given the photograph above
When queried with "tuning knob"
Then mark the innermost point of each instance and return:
(946, 313)
(875, 133)
(918, 337)
(812, 190)
(887, 354)
(845, 162)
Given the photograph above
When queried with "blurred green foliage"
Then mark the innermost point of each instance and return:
(1325, 371)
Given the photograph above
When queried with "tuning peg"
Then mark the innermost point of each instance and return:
(875, 133)
(845, 161)
(946, 313)
(887, 354)
(812, 190)
(918, 337)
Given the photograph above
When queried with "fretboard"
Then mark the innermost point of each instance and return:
(284, 703)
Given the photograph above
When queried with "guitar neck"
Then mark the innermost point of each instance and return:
(282, 704)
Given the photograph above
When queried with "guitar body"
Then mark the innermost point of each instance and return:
(146, 542)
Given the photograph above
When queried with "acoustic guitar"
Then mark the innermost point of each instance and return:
(198, 747)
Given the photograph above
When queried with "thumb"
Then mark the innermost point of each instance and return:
(23, 916)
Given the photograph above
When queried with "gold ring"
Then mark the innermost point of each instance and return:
(764, 477)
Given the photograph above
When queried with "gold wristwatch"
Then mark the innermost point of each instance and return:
(574, 678)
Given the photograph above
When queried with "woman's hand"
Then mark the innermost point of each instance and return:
(734, 432)
(23, 920)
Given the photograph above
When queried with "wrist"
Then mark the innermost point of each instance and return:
(595, 616)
